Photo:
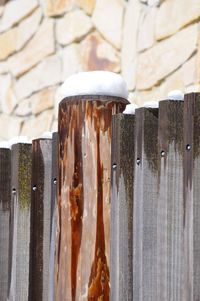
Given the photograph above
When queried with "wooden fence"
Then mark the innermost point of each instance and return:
(108, 209)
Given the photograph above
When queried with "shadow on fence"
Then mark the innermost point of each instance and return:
(56, 214)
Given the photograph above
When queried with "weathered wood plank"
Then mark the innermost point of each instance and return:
(20, 222)
(40, 218)
(5, 201)
(54, 213)
(145, 205)
(83, 241)
(191, 223)
(122, 162)
(170, 202)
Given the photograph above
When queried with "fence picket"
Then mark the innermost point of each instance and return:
(5, 201)
(145, 204)
(20, 222)
(170, 201)
(122, 162)
(191, 197)
(40, 218)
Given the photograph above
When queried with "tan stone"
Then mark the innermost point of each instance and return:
(165, 57)
(27, 28)
(7, 97)
(1, 10)
(4, 68)
(46, 74)
(87, 5)
(15, 11)
(71, 60)
(42, 100)
(175, 14)
(72, 27)
(146, 35)
(108, 17)
(37, 49)
(54, 127)
(129, 46)
(97, 54)
(189, 71)
(24, 108)
(56, 7)
(9, 126)
(34, 127)
(7, 43)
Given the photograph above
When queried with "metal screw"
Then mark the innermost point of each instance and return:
(34, 188)
(14, 191)
(188, 147)
(162, 153)
(138, 161)
(55, 181)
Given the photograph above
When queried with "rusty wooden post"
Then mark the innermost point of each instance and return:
(122, 162)
(170, 202)
(83, 240)
(145, 204)
(54, 212)
(5, 200)
(191, 220)
(40, 218)
(20, 222)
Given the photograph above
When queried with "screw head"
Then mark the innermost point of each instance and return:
(188, 147)
(138, 161)
(34, 188)
(162, 153)
(114, 166)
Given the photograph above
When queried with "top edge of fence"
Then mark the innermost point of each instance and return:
(100, 98)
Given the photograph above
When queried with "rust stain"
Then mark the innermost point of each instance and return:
(99, 278)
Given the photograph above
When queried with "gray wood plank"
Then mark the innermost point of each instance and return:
(170, 202)
(122, 162)
(5, 201)
(40, 218)
(191, 289)
(54, 213)
(20, 222)
(145, 205)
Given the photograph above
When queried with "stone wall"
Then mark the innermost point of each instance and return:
(153, 44)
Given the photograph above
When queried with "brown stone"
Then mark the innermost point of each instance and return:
(87, 5)
(15, 11)
(34, 127)
(129, 46)
(175, 14)
(97, 54)
(37, 49)
(7, 43)
(56, 7)
(162, 59)
(71, 60)
(72, 27)
(7, 97)
(108, 18)
(9, 126)
(45, 74)
(146, 35)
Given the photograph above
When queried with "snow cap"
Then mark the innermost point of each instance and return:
(151, 104)
(176, 95)
(130, 109)
(18, 139)
(94, 83)
(4, 144)
(47, 135)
